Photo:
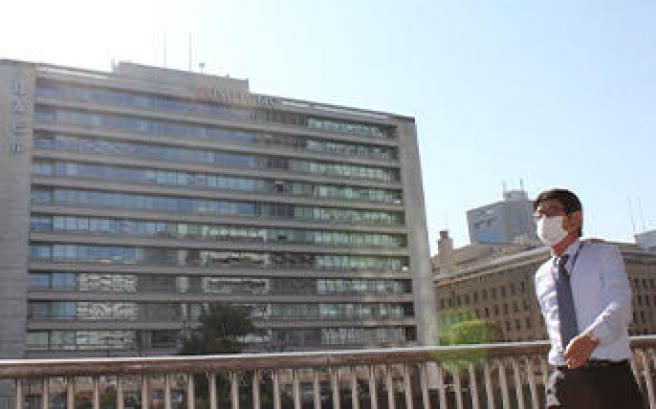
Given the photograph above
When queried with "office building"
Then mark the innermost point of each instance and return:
(506, 221)
(131, 198)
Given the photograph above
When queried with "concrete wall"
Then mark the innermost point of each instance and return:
(415, 218)
(16, 103)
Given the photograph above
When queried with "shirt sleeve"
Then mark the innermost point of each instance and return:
(614, 320)
(537, 286)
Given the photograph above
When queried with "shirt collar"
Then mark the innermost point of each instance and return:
(570, 251)
(573, 248)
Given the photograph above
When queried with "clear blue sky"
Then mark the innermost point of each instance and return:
(553, 92)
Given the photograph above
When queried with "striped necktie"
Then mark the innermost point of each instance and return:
(566, 312)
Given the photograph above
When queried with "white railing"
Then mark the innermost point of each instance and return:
(509, 375)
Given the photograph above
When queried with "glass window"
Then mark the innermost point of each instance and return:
(63, 281)
(163, 339)
(40, 223)
(39, 252)
(41, 196)
(42, 168)
(37, 340)
(62, 340)
(39, 281)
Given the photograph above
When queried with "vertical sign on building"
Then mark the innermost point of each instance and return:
(18, 117)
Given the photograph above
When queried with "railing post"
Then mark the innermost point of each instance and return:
(651, 362)
(519, 386)
(256, 389)
(373, 392)
(407, 386)
(440, 386)
(489, 391)
(649, 383)
(70, 392)
(457, 386)
(355, 399)
(145, 393)
(234, 390)
(334, 382)
(167, 391)
(316, 389)
(276, 389)
(19, 393)
(545, 373)
(634, 369)
(45, 393)
(425, 396)
(191, 393)
(296, 389)
(120, 398)
(96, 392)
(531, 382)
(503, 381)
(211, 385)
(389, 384)
(473, 386)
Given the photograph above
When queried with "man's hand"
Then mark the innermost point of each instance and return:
(579, 350)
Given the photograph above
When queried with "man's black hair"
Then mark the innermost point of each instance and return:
(568, 199)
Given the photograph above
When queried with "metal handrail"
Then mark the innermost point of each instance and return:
(25, 368)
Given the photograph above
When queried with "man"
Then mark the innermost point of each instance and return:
(585, 299)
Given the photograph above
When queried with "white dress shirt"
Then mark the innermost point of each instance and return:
(602, 299)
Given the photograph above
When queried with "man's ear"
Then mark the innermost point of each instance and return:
(576, 218)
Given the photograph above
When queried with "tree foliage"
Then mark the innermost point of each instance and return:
(472, 332)
(221, 331)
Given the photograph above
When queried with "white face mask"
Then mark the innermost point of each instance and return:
(550, 230)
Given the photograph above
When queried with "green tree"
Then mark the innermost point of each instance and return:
(472, 332)
(221, 331)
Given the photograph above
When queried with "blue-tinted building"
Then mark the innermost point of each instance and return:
(506, 221)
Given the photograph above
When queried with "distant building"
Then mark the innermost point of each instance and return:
(506, 221)
(498, 286)
(646, 240)
(449, 260)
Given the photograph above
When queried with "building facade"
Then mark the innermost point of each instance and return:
(506, 221)
(129, 199)
(646, 240)
(500, 289)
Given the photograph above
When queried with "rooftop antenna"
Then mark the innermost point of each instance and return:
(631, 213)
(190, 51)
(642, 216)
(521, 184)
(164, 50)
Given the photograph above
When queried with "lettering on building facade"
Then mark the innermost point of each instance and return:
(222, 96)
(19, 128)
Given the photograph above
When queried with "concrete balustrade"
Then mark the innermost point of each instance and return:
(504, 376)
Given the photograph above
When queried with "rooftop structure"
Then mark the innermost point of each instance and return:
(506, 221)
